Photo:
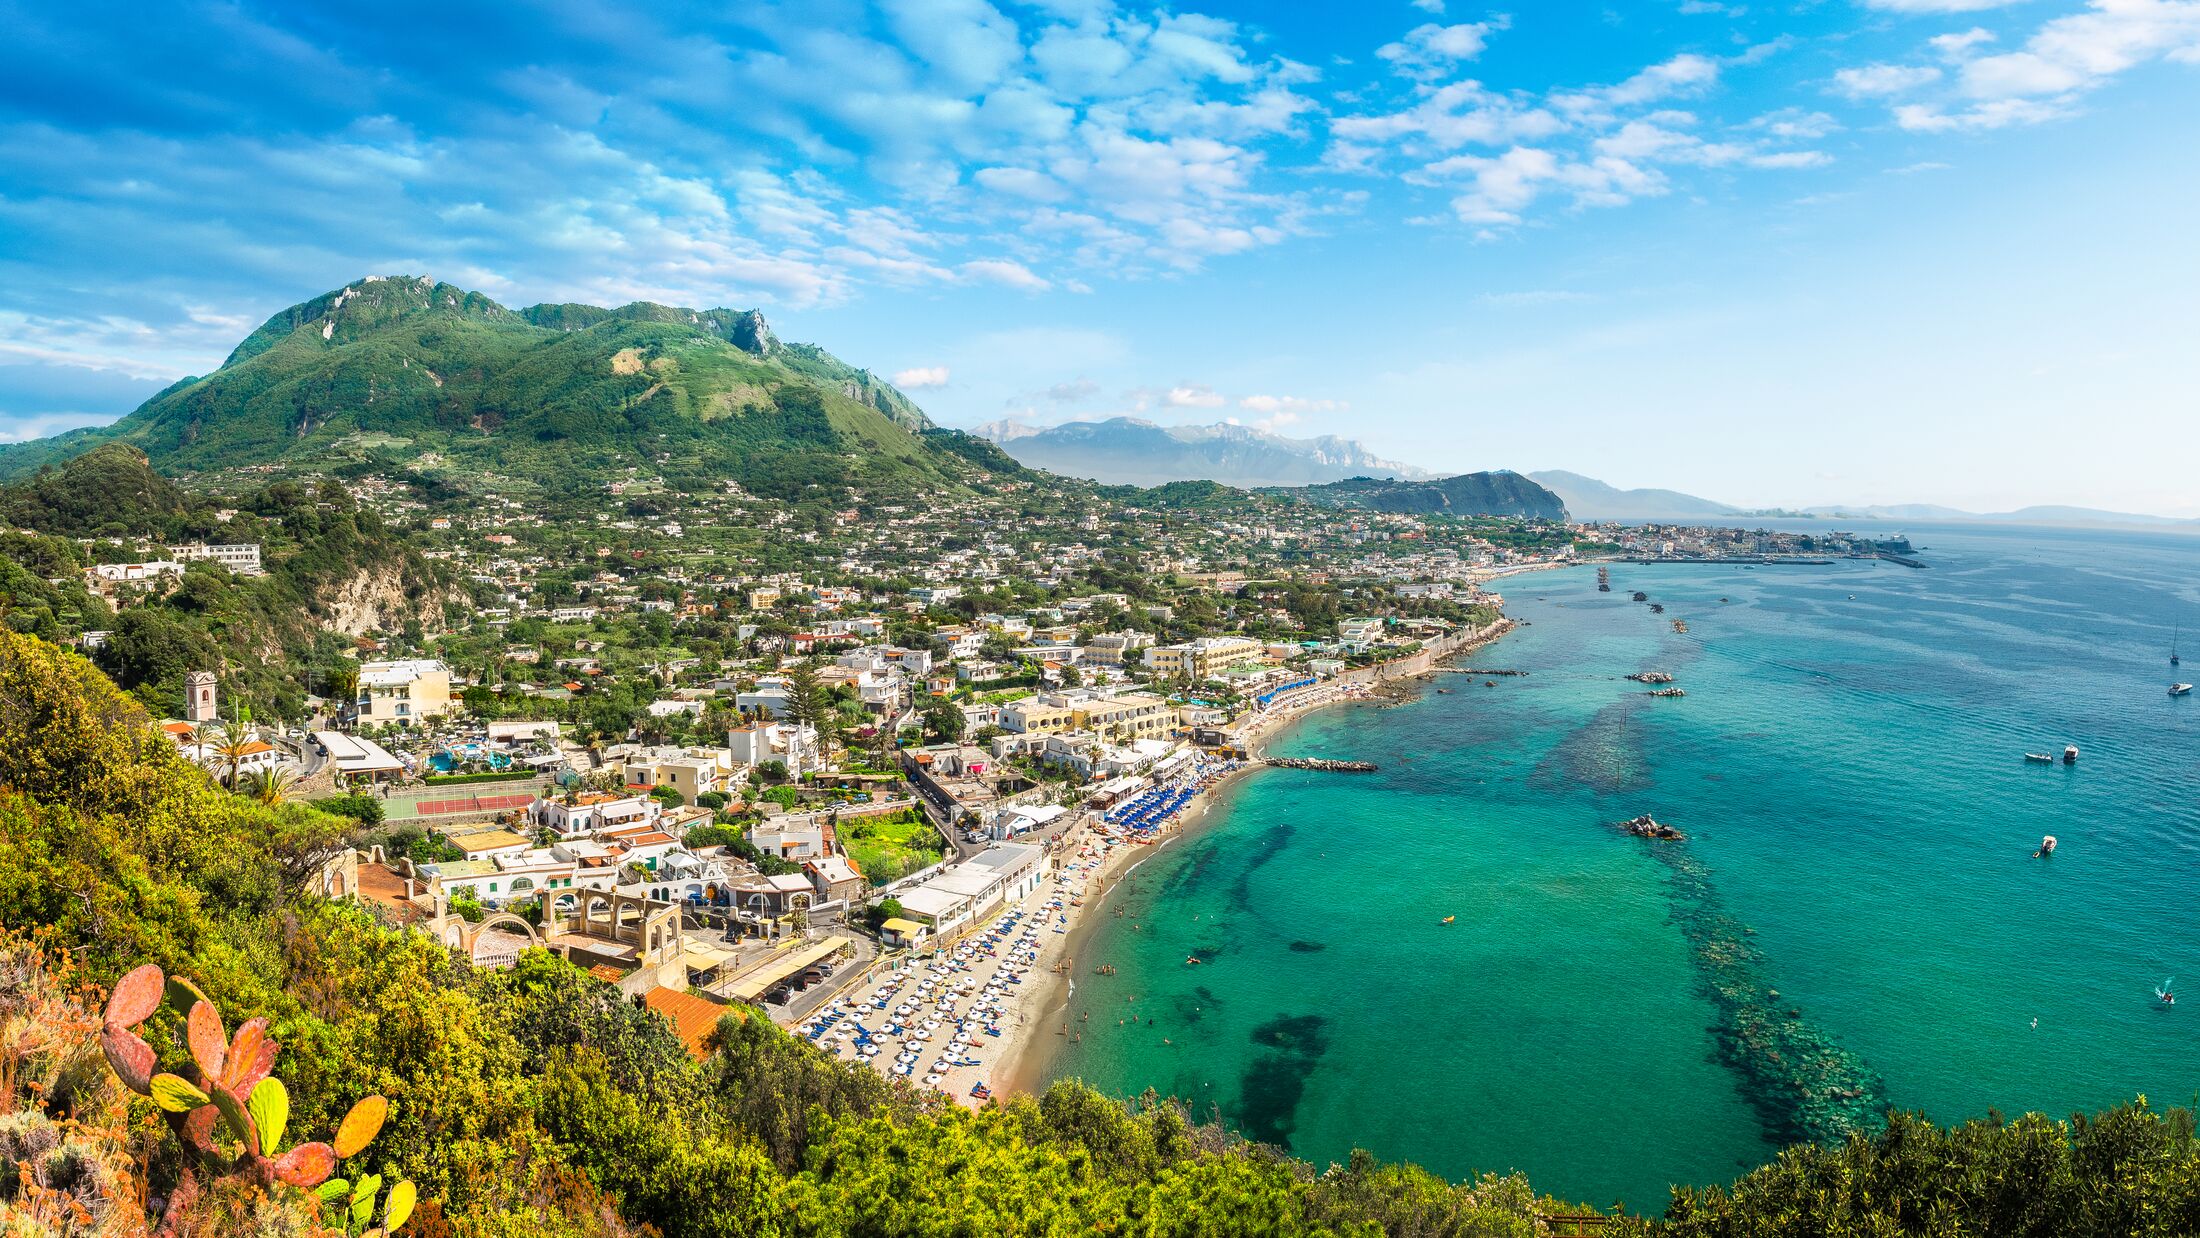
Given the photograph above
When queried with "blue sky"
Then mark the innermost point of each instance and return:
(1838, 250)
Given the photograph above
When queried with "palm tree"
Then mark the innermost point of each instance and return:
(226, 742)
(270, 786)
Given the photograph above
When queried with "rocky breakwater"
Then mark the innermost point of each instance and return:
(1322, 764)
(1647, 826)
(1803, 1084)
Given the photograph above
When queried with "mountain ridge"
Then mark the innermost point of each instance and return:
(406, 363)
(1500, 492)
(1589, 499)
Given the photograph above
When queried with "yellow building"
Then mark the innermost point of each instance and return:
(1201, 658)
(403, 693)
(1126, 717)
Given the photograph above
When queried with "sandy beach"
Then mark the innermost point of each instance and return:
(1093, 866)
(976, 1017)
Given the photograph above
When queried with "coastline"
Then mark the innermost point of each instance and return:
(1041, 1009)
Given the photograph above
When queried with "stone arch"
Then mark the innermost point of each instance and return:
(589, 901)
(501, 920)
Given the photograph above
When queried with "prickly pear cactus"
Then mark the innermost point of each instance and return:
(231, 1090)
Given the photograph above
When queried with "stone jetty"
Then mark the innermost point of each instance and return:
(1322, 764)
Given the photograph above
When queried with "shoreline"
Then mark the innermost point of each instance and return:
(1023, 1066)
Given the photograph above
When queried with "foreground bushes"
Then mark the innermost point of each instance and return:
(2127, 1173)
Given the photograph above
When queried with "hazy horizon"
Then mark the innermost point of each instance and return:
(1857, 252)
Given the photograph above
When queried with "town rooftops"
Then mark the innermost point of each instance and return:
(1006, 857)
(390, 674)
(963, 880)
(354, 755)
(931, 902)
(450, 870)
(482, 841)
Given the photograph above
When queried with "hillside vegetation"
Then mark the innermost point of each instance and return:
(333, 570)
(533, 1102)
(417, 371)
(538, 1103)
(1501, 493)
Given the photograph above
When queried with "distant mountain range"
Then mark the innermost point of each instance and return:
(2048, 514)
(1589, 499)
(1129, 451)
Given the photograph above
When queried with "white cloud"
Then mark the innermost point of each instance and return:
(1958, 45)
(1880, 80)
(1449, 117)
(921, 378)
(1686, 73)
(1796, 125)
(1430, 50)
(1936, 6)
(2080, 51)
(1003, 272)
(1290, 405)
(1429, 6)
(1993, 114)
(1192, 395)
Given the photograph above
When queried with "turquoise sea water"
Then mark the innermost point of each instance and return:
(1861, 822)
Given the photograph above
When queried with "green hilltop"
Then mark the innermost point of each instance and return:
(411, 370)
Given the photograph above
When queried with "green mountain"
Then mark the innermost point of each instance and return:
(1500, 493)
(430, 374)
(110, 490)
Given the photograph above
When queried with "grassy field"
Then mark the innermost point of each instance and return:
(888, 848)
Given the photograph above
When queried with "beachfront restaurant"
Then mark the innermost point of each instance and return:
(1002, 873)
(943, 911)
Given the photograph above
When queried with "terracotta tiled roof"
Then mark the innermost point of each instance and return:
(380, 885)
(692, 1016)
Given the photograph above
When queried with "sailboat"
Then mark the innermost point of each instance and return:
(2174, 633)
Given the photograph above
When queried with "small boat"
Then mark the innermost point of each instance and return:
(2047, 848)
(1449, 919)
(2040, 757)
(2180, 689)
(2070, 754)
(1193, 960)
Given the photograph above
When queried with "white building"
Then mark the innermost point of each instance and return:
(354, 756)
(760, 743)
(134, 573)
(242, 558)
(594, 812)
